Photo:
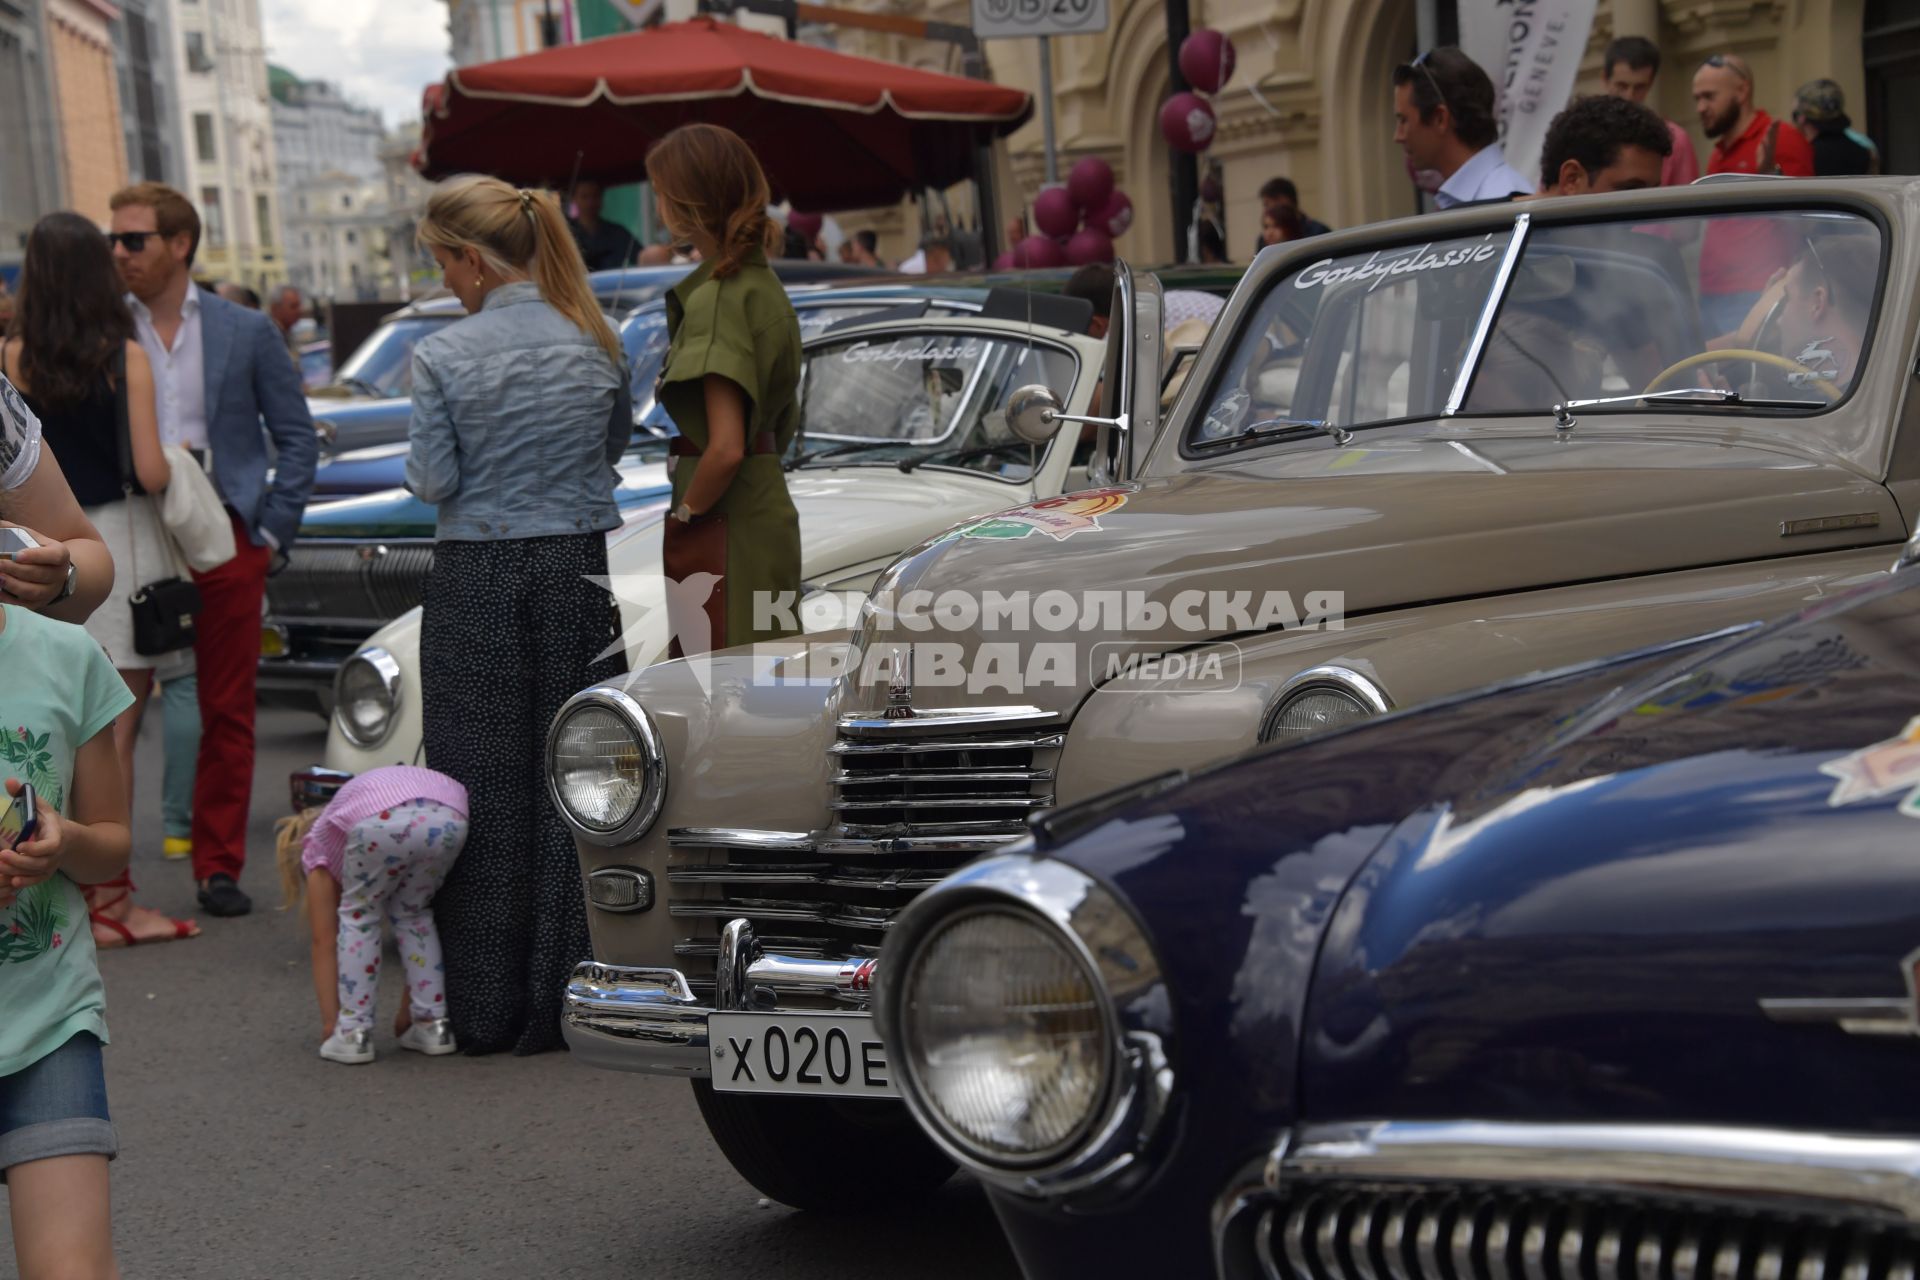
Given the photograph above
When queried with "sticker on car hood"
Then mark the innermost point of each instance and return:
(1058, 518)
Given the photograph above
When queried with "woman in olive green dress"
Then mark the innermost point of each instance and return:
(732, 386)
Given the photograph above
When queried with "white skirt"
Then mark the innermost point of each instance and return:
(133, 533)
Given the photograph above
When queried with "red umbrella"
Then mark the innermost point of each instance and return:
(834, 131)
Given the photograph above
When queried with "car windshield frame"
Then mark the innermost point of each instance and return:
(926, 453)
(1522, 228)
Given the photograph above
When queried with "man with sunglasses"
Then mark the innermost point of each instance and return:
(1443, 106)
(222, 384)
(1739, 255)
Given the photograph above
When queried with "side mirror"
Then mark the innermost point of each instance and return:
(1033, 413)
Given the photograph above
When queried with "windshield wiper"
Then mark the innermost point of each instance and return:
(853, 446)
(1697, 395)
(962, 455)
(1267, 426)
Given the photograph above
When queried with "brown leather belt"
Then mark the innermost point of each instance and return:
(681, 447)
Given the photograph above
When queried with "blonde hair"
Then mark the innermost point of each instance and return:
(707, 178)
(515, 229)
(288, 833)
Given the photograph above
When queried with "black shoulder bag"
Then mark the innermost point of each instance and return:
(164, 609)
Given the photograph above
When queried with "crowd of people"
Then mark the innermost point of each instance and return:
(157, 453)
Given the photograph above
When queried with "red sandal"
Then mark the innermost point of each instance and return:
(98, 901)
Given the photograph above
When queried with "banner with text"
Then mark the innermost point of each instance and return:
(1532, 50)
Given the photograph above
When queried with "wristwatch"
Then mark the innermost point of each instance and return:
(683, 513)
(73, 576)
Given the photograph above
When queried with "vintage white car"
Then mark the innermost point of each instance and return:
(903, 434)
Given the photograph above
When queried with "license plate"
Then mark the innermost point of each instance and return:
(834, 1054)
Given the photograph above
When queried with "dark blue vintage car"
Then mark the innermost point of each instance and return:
(1610, 974)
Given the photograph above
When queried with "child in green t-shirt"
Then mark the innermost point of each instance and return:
(58, 698)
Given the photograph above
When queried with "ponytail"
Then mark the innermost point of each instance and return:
(515, 229)
(561, 273)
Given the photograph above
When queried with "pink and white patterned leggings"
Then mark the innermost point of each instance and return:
(394, 864)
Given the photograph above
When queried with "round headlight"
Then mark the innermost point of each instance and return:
(366, 695)
(605, 768)
(1317, 701)
(1006, 1033)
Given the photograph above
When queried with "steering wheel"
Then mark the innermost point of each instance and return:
(1736, 353)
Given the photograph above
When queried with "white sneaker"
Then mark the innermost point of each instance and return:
(433, 1037)
(350, 1047)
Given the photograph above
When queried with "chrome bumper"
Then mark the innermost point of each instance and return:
(626, 1018)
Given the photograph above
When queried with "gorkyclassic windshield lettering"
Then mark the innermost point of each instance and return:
(1493, 442)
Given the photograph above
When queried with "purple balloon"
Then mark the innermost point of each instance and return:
(1090, 183)
(1210, 189)
(1004, 262)
(1115, 218)
(1054, 212)
(1038, 251)
(807, 225)
(1089, 246)
(1206, 60)
(1186, 122)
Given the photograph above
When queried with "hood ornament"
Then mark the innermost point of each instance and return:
(900, 685)
(1859, 1015)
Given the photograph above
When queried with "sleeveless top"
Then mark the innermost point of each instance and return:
(86, 441)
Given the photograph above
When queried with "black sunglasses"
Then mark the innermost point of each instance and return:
(133, 241)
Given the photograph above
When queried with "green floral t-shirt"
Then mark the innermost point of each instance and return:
(57, 690)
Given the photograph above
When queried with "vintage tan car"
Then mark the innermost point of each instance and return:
(1411, 459)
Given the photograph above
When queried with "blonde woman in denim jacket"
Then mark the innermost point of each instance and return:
(519, 412)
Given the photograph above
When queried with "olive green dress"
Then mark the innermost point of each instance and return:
(742, 328)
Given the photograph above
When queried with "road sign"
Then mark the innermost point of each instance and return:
(1001, 19)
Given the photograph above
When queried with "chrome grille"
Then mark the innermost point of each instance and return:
(370, 583)
(908, 811)
(1429, 1232)
(981, 786)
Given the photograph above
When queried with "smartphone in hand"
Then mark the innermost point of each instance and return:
(13, 541)
(21, 820)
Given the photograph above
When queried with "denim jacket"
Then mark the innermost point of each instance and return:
(518, 418)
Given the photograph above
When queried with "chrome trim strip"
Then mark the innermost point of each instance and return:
(946, 802)
(1483, 328)
(946, 775)
(900, 881)
(653, 795)
(946, 718)
(740, 838)
(857, 846)
(1034, 742)
(1871, 1176)
(1108, 1156)
(387, 667)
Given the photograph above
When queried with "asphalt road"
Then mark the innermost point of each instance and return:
(243, 1154)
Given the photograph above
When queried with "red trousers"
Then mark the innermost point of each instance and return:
(226, 650)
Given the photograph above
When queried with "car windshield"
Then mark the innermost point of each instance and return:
(383, 364)
(645, 337)
(927, 397)
(1768, 309)
(1354, 341)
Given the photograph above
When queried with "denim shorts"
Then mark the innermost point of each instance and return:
(57, 1107)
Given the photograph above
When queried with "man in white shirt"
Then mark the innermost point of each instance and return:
(222, 382)
(1443, 107)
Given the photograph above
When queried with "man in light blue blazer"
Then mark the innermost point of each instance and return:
(222, 385)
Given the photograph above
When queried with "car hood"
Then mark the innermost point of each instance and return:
(855, 515)
(397, 513)
(1618, 915)
(345, 405)
(1378, 525)
(380, 466)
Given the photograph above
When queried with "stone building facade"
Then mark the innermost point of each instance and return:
(93, 151)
